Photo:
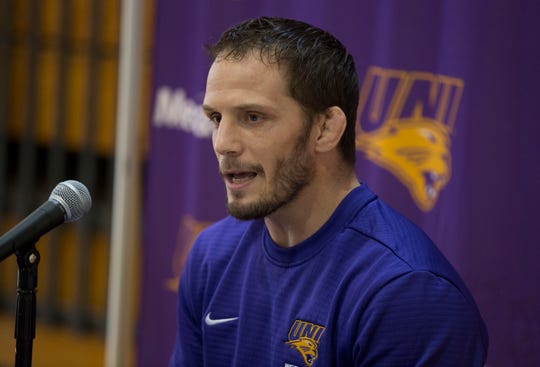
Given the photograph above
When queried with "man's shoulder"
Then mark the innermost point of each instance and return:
(391, 232)
(399, 245)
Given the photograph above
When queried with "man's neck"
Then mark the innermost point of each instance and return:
(301, 218)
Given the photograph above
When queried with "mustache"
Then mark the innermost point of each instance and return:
(234, 164)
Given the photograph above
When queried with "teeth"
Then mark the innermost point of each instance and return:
(241, 177)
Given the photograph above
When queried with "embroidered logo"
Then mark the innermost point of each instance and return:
(212, 322)
(405, 123)
(304, 337)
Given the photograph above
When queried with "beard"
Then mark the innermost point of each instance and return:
(292, 174)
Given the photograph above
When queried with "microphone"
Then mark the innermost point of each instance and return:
(68, 202)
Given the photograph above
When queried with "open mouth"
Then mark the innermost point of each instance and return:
(240, 177)
(237, 175)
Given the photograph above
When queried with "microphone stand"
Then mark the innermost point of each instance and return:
(25, 321)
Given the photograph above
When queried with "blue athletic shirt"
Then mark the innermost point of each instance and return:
(369, 288)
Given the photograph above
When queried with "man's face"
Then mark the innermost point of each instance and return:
(260, 137)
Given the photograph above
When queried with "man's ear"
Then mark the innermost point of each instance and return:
(331, 125)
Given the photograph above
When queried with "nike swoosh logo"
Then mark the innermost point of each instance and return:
(211, 322)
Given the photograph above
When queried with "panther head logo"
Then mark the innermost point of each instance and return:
(416, 150)
(307, 348)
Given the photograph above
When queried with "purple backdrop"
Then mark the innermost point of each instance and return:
(458, 80)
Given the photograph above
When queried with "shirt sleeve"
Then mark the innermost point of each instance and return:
(187, 349)
(420, 319)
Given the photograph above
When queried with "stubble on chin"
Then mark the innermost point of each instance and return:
(292, 175)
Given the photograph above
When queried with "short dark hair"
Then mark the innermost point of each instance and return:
(320, 70)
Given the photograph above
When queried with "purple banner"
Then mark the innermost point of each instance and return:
(447, 128)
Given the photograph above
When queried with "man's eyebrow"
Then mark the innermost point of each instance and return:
(251, 106)
(242, 107)
(207, 108)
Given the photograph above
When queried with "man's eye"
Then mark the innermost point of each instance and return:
(253, 117)
(215, 118)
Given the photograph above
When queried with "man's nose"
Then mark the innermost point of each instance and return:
(226, 138)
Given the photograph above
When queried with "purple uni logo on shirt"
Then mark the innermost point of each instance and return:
(304, 337)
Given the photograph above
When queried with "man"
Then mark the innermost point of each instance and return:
(311, 268)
